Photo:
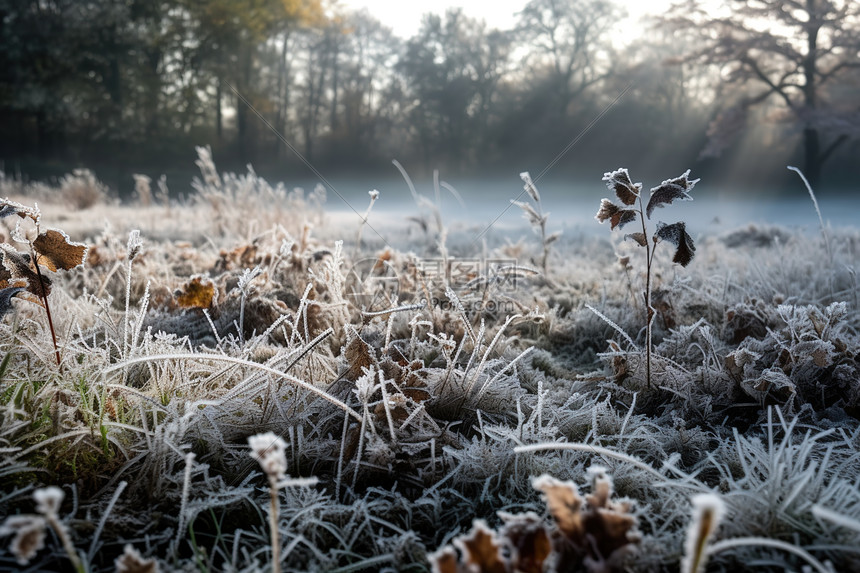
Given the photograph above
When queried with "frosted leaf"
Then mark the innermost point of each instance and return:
(482, 548)
(19, 266)
(529, 186)
(601, 487)
(6, 295)
(552, 237)
(8, 207)
(528, 539)
(772, 382)
(638, 237)
(29, 537)
(564, 504)
(534, 218)
(443, 561)
(247, 276)
(57, 251)
(671, 190)
(676, 233)
(617, 216)
(619, 182)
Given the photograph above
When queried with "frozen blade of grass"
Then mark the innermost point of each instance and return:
(595, 450)
(486, 355)
(486, 386)
(615, 327)
(94, 543)
(734, 543)
(817, 210)
(292, 379)
(402, 308)
(841, 520)
(365, 564)
(407, 179)
(450, 188)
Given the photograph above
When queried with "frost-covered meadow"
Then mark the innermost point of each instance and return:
(478, 405)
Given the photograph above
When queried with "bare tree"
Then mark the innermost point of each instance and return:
(567, 44)
(788, 51)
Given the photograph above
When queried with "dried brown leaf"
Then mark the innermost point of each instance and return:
(444, 561)
(622, 217)
(199, 292)
(529, 541)
(638, 237)
(29, 537)
(564, 503)
(619, 182)
(482, 549)
(20, 267)
(57, 251)
(617, 216)
(359, 355)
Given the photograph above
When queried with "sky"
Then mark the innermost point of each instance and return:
(404, 16)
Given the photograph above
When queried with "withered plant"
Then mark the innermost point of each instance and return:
(537, 219)
(631, 208)
(21, 272)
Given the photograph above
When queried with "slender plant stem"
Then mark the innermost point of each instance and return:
(648, 310)
(274, 510)
(68, 546)
(47, 310)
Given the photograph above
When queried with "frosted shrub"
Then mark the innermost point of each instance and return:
(82, 190)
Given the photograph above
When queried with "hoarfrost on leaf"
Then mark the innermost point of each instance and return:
(671, 190)
(619, 182)
(676, 233)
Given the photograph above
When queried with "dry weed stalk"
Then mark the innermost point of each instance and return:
(629, 194)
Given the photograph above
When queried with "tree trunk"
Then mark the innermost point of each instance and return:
(280, 94)
(811, 138)
(812, 155)
(333, 123)
(246, 60)
(219, 121)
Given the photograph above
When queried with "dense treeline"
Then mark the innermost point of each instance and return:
(133, 85)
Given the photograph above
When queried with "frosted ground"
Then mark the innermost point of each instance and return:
(252, 308)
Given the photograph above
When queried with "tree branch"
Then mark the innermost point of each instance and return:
(832, 147)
